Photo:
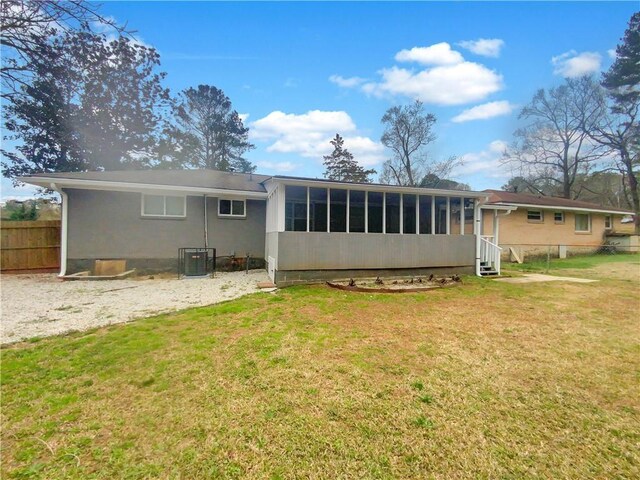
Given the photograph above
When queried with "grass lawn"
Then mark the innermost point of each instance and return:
(486, 380)
(579, 262)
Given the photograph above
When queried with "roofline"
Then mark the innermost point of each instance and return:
(378, 187)
(560, 207)
(62, 182)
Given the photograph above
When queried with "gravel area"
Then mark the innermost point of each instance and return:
(40, 305)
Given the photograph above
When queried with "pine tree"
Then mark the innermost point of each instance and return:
(340, 165)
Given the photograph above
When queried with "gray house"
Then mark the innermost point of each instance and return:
(303, 229)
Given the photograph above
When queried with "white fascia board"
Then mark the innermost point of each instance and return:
(502, 208)
(379, 188)
(568, 209)
(137, 187)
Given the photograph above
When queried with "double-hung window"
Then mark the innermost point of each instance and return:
(164, 206)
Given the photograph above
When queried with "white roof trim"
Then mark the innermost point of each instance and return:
(558, 207)
(137, 187)
(502, 208)
(379, 188)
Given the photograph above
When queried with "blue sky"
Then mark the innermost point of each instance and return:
(302, 72)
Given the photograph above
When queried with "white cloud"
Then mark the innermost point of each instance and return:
(487, 47)
(443, 85)
(346, 82)
(243, 117)
(612, 53)
(486, 162)
(278, 166)
(308, 135)
(484, 111)
(572, 64)
(448, 79)
(437, 54)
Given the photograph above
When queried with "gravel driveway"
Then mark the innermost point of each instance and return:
(39, 305)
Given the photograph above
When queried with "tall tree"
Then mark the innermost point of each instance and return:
(619, 130)
(91, 104)
(340, 164)
(408, 131)
(554, 145)
(26, 27)
(213, 134)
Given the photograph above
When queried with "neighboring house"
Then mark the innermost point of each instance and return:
(531, 224)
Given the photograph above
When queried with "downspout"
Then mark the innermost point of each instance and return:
(206, 224)
(64, 229)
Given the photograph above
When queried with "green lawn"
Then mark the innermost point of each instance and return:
(485, 380)
(539, 264)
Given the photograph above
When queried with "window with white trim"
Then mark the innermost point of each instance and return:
(608, 224)
(583, 222)
(164, 206)
(535, 216)
(558, 217)
(232, 208)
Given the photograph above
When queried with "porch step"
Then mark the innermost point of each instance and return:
(488, 272)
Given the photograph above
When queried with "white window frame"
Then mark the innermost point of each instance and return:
(164, 205)
(608, 222)
(232, 215)
(588, 223)
(541, 220)
(555, 220)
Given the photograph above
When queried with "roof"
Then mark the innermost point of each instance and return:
(499, 197)
(205, 179)
(202, 181)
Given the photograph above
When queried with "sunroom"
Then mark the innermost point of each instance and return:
(319, 229)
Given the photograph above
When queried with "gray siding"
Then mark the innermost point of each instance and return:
(335, 251)
(241, 236)
(110, 225)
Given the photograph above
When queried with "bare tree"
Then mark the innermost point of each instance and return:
(555, 145)
(408, 131)
(26, 29)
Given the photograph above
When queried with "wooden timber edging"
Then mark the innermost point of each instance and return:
(30, 245)
(388, 290)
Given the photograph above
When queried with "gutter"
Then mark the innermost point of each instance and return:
(138, 187)
(569, 209)
(64, 230)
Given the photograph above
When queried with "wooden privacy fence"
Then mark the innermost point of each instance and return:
(30, 245)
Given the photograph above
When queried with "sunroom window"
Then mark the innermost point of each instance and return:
(295, 209)
(338, 210)
(375, 200)
(318, 209)
(424, 205)
(356, 211)
(392, 213)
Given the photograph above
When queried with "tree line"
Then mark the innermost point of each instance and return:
(77, 99)
(581, 139)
